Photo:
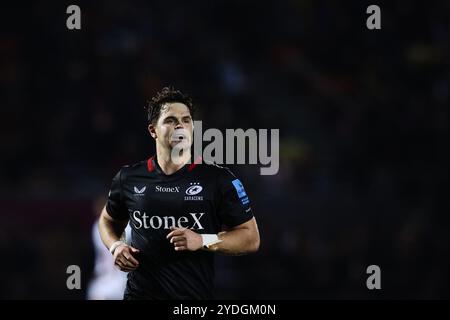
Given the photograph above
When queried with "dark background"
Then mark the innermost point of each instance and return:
(363, 118)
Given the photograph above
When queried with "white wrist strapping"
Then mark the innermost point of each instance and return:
(115, 245)
(209, 240)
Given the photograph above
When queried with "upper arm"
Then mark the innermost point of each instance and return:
(234, 207)
(105, 215)
(107, 222)
(115, 207)
(250, 229)
(250, 225)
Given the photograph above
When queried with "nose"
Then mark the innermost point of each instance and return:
(179, 125)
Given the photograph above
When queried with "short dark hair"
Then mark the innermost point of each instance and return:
(166, 95)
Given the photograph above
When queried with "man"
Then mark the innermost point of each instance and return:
(176, 212)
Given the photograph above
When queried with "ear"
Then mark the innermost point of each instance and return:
(151, 129)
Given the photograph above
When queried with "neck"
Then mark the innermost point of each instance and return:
(170, 165)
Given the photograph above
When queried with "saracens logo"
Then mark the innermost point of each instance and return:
(194, 189)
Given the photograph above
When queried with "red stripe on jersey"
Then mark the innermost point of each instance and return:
(196, 161)
(150, 164)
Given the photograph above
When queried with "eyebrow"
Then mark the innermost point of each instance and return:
(174, 118)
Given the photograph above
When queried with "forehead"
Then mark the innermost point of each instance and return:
(175, 109)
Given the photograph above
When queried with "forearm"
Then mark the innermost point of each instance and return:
(237, 242)
(111, 230)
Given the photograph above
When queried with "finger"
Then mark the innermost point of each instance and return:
(119, 264)
(181, 248)
(128, 269)
(177, 238)
(126, 263)
(134, 250)
(177, 228)
(121, 267)
(180, 243)
(176, 232)
(125, 269)
(131, 259)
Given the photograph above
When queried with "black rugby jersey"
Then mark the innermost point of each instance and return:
(201, 197)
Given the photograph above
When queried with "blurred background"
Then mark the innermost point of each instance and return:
(363, 118)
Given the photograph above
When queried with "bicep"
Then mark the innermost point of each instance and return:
(250, 225)
(248, 236)
(106, 217)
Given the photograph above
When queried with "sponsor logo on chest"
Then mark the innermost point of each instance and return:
(139, 191)
(167, 189)
(191, 221)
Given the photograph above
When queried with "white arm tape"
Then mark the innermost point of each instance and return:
(210, 239)
(115, 245)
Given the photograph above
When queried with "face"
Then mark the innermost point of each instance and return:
(174, 126)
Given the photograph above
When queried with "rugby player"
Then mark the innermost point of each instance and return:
(181, 212)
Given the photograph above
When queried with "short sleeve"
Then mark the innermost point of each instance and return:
(234, 203)
(115, 205)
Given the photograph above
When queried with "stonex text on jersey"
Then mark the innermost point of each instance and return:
(142, 220)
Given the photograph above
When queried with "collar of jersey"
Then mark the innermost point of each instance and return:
(153, 166)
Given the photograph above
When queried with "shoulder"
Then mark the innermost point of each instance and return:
(218, 172)
(131, 170)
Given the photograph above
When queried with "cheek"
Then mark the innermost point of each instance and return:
(164, 130)
(188, 127)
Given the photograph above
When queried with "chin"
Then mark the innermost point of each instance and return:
(180, 145)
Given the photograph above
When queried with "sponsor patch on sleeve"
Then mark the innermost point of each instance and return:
(240, 191)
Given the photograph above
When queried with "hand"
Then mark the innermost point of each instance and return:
(185, 239)
(123, 258)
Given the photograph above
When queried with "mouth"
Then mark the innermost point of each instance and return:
(179, 136)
